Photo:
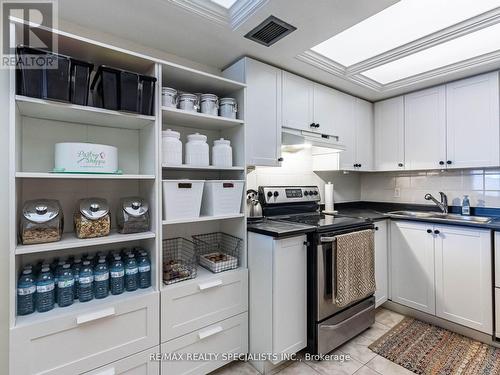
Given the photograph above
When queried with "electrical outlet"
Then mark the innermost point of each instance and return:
(397, 192)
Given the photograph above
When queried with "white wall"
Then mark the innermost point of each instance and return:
(482, 186)
(296, 169)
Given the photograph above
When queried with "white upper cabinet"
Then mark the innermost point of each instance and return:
(324, 110)
(298, 96)
(364, 135)
(262, 110)
(472, 109)
(345, 124)
(425, 129)
(389, 134)
(463, 276)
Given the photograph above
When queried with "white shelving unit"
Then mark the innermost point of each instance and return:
(35, 126)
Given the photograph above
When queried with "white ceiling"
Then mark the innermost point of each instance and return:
(162, 25)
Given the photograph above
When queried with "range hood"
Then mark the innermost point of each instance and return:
(294, 140)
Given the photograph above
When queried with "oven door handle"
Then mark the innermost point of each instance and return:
(328, 239)
(331, 326)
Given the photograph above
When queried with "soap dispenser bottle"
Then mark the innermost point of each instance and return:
(466, 205)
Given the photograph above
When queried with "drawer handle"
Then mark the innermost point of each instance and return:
(211, 284)
(209, 332)
(95, 315)
(109, 371)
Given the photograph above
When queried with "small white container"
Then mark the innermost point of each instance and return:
(85, 158)
(222, 153)
(209, 104)
(171, 147)
(188, 102)
(182, 199)
(222, 197)
(228, 107)
(169, 97)
(197, 150)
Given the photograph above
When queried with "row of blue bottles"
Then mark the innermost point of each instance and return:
(61, 282)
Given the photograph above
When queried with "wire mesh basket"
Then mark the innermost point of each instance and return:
(179, 260)
(218, 251)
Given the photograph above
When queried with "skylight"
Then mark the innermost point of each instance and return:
(402, 23)
(224, 3)
(466, 47)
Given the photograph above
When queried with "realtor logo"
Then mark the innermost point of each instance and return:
(28, 24)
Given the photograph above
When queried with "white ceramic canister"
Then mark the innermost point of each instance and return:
(188, 102)
(209, 104)
(222, 153)
(228, 107)
(169, 97)
(197, 150)
(171, 147)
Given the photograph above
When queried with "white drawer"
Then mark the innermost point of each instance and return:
(93, 337)
(193, 304)
(137, 364)
(497, 259)
(228, 336)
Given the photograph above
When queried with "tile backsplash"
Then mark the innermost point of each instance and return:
(481, 185)
(296, 169)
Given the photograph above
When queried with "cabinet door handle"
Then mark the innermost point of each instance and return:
(280, 159)
(436, 232)
(108, 371)
(441, 162)
(210, 284)
(95, 315)
(313, 125)
(209, 332)
(376, 228)
(400, 164)
(429, 230)
(448, 162)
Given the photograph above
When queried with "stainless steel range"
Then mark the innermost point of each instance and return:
(329, 326)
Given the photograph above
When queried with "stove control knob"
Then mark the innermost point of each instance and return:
(315, 192)
(276, 194)
(269, 194)
(306, 193)
(311, 192)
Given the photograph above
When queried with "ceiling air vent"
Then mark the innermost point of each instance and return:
(270, 31)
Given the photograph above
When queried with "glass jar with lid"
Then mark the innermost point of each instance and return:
(42, 221)
(133, 216)
(93, 218)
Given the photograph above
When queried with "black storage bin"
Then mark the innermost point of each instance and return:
(105, 88)
(147, 96)
(29, 82)
(116, 89)
(80, 81)
(56, 80)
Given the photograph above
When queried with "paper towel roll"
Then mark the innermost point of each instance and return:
(329, 197)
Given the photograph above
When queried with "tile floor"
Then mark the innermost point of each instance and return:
(363, 360)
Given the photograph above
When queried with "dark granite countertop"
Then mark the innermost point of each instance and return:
(279, 229)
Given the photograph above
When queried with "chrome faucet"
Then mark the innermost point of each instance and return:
(443, 205)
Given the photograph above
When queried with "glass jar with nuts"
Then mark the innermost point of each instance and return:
(42, 221)
(93, 218)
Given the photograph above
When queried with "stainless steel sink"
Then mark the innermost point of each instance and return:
(415, 214)
(441, 216)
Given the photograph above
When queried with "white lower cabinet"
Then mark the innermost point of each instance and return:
(84, 341)
(227, 336)
(463, 276)
(381, 263)
(443, 270)
(194, 304)
(412, 265)
(278, 292)
(137, 364)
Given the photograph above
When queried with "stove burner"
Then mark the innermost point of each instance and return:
(326, 222)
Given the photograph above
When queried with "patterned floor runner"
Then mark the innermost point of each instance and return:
(426, 349)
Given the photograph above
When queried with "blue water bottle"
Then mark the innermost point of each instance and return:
(144, 265)
(45, 290)
(101, 279)
(26, 290)
(117, 276)
(131, 273)
(86, 282)
(77, 264)
(65, 284)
